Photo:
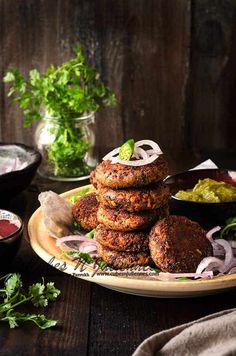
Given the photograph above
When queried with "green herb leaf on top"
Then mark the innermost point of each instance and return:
(228, 232)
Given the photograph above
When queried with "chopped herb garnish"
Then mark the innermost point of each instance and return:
(102, 264)
(229, 231)
(183, 278)
(91, 233)
(76, 226)
(81, 193)
(87, 258)
(157, 270)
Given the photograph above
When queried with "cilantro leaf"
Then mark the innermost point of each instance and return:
(12, 284)
(51, 292)
(36, 292)
(15, 318)
(13, 295)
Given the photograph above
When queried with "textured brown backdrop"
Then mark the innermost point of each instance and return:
(170, 62)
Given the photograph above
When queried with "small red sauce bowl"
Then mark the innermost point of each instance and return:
(11, 228)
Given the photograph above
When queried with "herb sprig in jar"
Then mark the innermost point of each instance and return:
(64, 95)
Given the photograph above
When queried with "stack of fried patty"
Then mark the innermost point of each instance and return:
(131, 200)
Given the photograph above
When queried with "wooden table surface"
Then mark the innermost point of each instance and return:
(92, 320)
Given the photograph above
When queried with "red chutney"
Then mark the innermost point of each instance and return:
(6, 228)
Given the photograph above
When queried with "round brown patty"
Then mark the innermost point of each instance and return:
(121, 176)
(136, 199)
(122, 220)
(134, 241)
(178, 244)
(85, 211)
(121, 260)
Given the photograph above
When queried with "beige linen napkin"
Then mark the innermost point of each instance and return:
(212, 335)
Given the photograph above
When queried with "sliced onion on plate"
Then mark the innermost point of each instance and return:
(78, 237)
(210, 264)
(210, 234)
(79, 243)
(221, 248)
(166, 276)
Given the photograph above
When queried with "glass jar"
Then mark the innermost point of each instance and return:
(67, 147)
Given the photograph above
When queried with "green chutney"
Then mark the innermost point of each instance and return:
(209, 191)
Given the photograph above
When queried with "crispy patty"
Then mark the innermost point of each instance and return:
(121, 176)
(122, 220)
(92, 179)
(85, 211)
(134, 241)
(178, 244)
(135, 199)
(121, 260)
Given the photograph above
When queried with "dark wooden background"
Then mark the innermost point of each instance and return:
(170, 62)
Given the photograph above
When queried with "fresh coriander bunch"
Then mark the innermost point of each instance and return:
(62, 96)
(70, 90)
(13, 296)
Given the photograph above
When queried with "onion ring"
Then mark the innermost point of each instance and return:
(140, 156)
(150, 143)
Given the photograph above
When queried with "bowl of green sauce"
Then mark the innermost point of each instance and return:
(207, 196)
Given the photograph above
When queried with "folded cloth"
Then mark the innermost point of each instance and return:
(212, 335)
(208, 164)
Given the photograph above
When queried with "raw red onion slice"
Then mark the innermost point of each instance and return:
(166, 276)
(232, 243)
(79, 237)
(216, 264)
(228, 254)
(210, 263)
(11, 164)
(211, 233)
(82, 244)
(87, 247)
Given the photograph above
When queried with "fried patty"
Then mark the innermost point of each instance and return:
(134, 241)
(120, 176)
(85, 211)
(121, 260)
(122, 220)
(93, 180)
(178, 244)
(135, 199)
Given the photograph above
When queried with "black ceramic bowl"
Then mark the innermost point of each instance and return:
(207, 214)
(9, 245)
(14, 182)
